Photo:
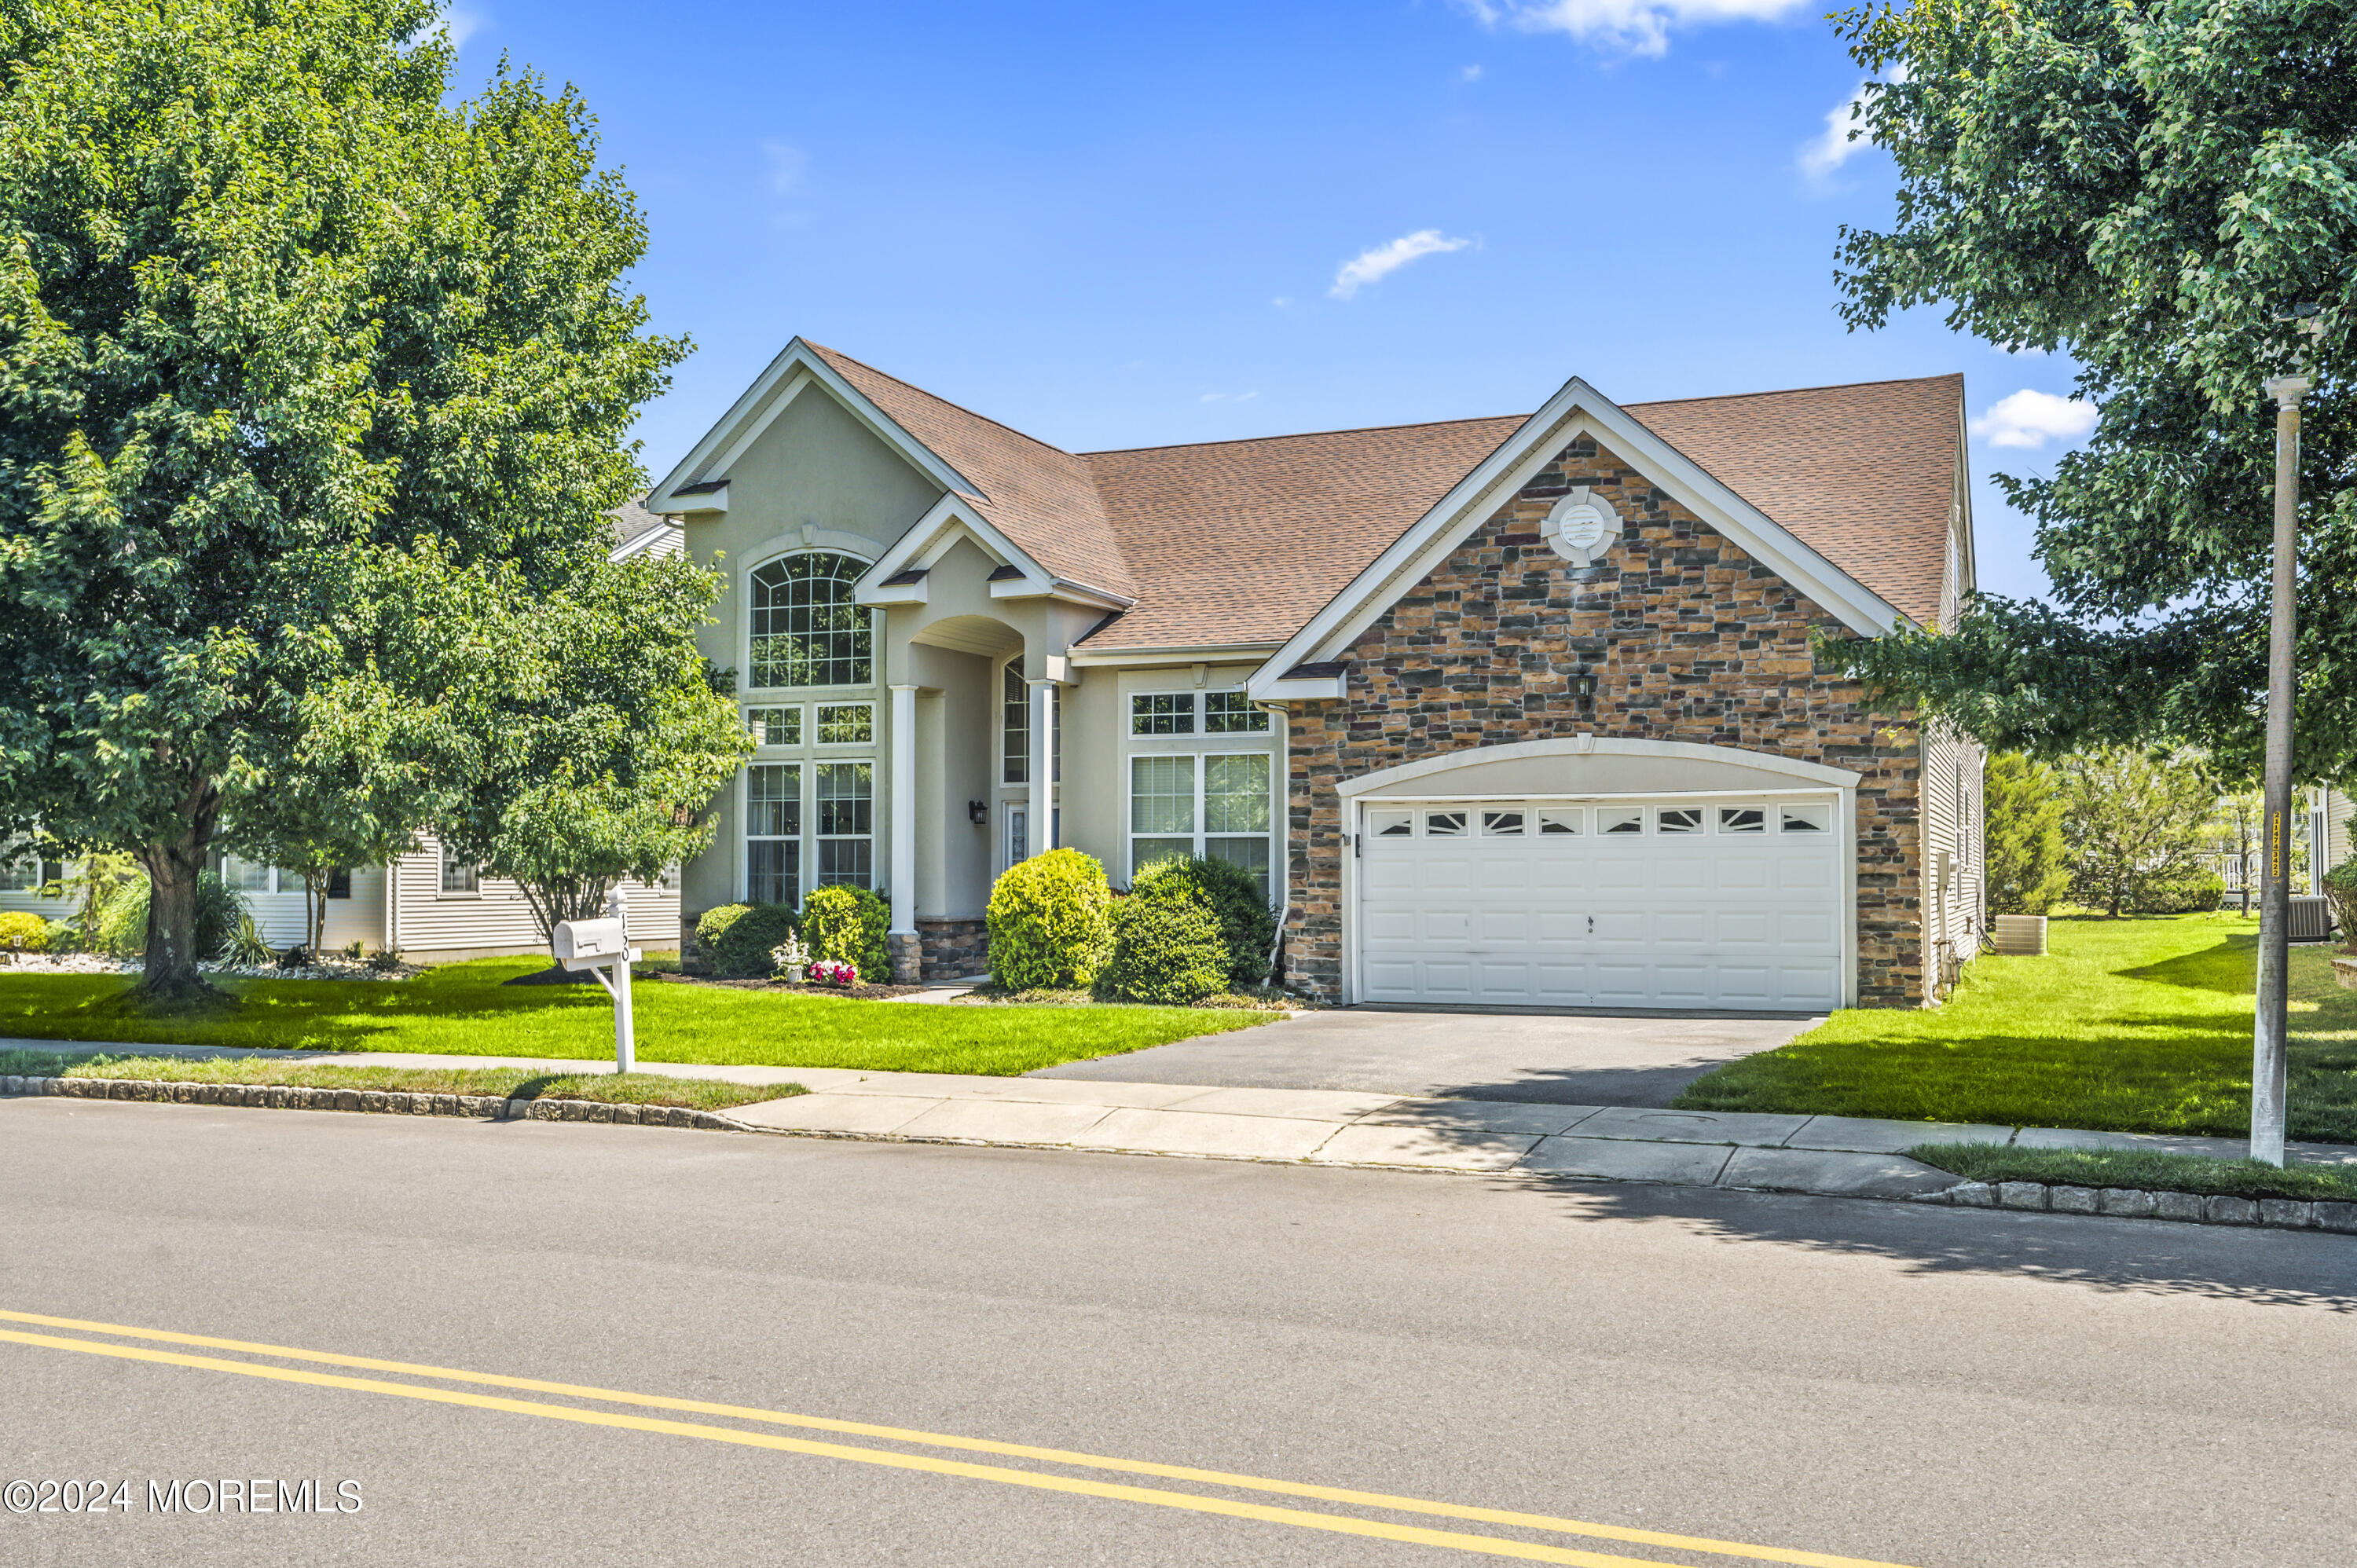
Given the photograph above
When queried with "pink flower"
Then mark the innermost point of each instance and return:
(833, 971)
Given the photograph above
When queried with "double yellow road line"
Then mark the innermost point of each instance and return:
(1340, 1524)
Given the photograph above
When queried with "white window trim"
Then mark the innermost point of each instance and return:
(442, 863)
(746, 840)
(1269, 743)
(872, 838)
(811, 728)
(759, 696)
(801, 726)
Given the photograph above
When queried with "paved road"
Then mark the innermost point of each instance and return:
(1895, 1384)
(1557, 1058)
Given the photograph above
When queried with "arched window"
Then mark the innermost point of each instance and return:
(806, 630)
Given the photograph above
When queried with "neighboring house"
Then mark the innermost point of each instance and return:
(1510, 711)
(428, 908)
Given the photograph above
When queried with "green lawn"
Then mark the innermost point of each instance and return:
(2130, 1025)
(463, 1009)
(2145, 1168)
(501, 1082)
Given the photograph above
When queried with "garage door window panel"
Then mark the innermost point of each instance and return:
(1506, 823)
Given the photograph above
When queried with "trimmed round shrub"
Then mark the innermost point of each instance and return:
(2193, 893)
(122, 928)
(1164, 951)
(738, 937)
(1247, 926)
(21, 931)
(1051, 923)
(850, 925)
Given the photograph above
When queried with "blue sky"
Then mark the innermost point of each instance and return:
(1127, 225)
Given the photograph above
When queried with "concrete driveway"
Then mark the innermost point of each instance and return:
(1584, 1058)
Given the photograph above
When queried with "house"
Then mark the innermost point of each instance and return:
(426, 905)
(1509, 710)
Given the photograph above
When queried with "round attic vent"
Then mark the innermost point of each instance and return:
(1581, 527)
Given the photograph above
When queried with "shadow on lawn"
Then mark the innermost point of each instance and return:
(2226, 967)
(2143, 1257)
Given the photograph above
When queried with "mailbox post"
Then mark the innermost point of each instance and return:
(599, 946)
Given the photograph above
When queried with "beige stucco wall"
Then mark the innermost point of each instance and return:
(815, 479)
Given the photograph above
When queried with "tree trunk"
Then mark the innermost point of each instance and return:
(172, 866)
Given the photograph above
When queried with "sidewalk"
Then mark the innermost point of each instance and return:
(1835, 1155)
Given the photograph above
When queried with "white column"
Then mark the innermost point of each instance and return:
(1042, 819)
(904, 810)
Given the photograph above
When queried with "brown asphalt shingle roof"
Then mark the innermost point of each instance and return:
(1864, 474)
(1038, 496)
(1243, 542)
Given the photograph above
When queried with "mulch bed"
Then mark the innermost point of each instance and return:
(799, 988)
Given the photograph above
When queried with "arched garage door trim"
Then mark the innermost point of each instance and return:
(1427, 779)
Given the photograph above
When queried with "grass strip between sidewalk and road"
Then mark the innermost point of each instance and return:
(499, 1082)
(468, 1009)
(2139, 1026)
(2149, 1169)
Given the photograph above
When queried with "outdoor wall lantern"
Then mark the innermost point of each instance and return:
(977, 812)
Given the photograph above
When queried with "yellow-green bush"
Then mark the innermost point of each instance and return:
(850, 925)
(1051, 923)
(22, 931)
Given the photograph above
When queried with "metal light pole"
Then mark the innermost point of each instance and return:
(2268, 1059)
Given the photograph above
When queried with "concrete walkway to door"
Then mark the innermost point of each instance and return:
(1556, 1058)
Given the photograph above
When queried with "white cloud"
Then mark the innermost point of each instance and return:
(461, 25)
(1640, 26)
(787, 166)
(1373, 266)
(1834, 147)
(1469, 73)
(2029, 420)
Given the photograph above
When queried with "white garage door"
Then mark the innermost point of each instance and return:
(1672, 903)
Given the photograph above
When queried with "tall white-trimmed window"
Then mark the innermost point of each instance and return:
(773, 832)
(1193, 787)
(805, 631)
(1015, 725)
(846, 824)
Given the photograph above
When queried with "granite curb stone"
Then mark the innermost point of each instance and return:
(380, 1101)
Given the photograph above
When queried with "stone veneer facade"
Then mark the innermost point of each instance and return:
(1688, 639)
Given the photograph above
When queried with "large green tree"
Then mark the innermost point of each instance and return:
(270, 299)
(2146, 188)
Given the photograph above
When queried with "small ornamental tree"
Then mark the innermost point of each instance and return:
(572, 734)
(2133, 818)
(2027, 858)
(271, 297)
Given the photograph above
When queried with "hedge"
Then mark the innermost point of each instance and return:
(2194, 893)
(1167, 950)
(1051, 923)
(1231, 894)
(739, 937)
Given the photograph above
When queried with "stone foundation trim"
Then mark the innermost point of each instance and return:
(391, 1101)
(953, 948)
(2131, 1203)
(907, 956)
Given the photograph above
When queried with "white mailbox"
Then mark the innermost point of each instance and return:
(584, 944)
(599, 946)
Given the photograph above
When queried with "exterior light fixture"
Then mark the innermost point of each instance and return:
(977, 812)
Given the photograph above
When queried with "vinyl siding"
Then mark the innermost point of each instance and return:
(1954, 911)
(359, 918)
(499, 918)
